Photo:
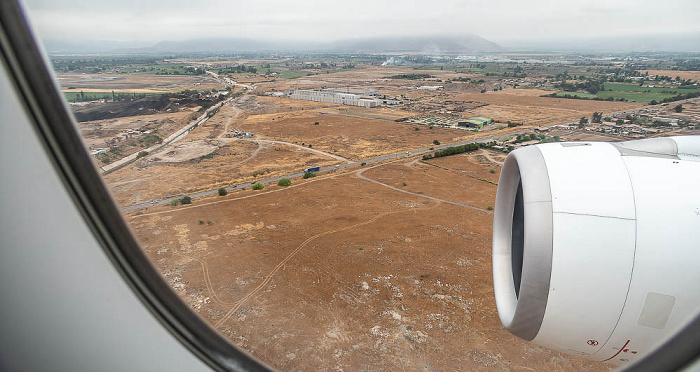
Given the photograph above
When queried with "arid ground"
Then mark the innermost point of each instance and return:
(378, 268)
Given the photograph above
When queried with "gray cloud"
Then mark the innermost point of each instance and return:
(152, 21)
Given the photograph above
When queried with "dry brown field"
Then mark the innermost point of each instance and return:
(352, 137)
(384, 268)
(169, 173)
(527, 106)
(134, 83)
(692, 75)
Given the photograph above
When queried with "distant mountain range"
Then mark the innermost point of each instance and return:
(407, 44)
(463, 44)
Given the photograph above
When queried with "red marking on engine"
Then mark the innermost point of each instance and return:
(619, 351)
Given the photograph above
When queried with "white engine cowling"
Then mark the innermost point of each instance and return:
(596, 246)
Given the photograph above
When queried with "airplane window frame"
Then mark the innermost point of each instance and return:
(55, 126)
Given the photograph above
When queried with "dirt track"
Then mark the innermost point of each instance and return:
(367, 279)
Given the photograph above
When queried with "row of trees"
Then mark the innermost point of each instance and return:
(238, 69)
(454, 150)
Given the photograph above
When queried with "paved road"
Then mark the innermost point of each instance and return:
(372, 160)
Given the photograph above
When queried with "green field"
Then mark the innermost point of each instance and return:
(289, 74)
(635, 96)
(577, 94)
(617, 87)
(157, 69)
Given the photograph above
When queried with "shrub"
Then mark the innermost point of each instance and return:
(141, 154)
(258, 186)
(208, 222)
(363, 164)
(316, 123)
(222, 191)
(201, 222)
(175, 202)
(436, 142)
(404, 184)
(284, 182)
(309, 175)
(185, 200)
(489, 208)
(492, 171)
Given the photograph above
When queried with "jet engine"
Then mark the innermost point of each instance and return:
(596, 246)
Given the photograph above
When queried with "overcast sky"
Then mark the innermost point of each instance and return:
(501, 21)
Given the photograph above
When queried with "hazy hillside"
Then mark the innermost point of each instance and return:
(421, 44)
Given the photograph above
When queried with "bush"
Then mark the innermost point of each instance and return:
(284, 182)
(201, 222)
(309, 175)
(222, 191)
(185, 200)
(258, 186)
(316, 123)
(436, 142)
(141, 154)
(363, 164)
(492, 171)
(489, 208)
(175, 202)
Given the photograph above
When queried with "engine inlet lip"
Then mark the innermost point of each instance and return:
(522, 312)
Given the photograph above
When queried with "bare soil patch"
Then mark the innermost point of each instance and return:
(351, 137)
(134, 83)
(342, 273)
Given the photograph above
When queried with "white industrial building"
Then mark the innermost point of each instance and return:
(330, 96)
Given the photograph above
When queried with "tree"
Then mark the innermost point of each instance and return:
(309, 175)
(258, 186)
(222, 191)
(284, 182)
(436, 142)
(185, 200)
(582, 122)
(597, 116)
(175, 202)
(678, 108)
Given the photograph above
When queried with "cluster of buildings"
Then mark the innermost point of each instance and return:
(238, 133)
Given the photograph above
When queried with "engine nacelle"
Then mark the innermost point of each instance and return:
(596, 246)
